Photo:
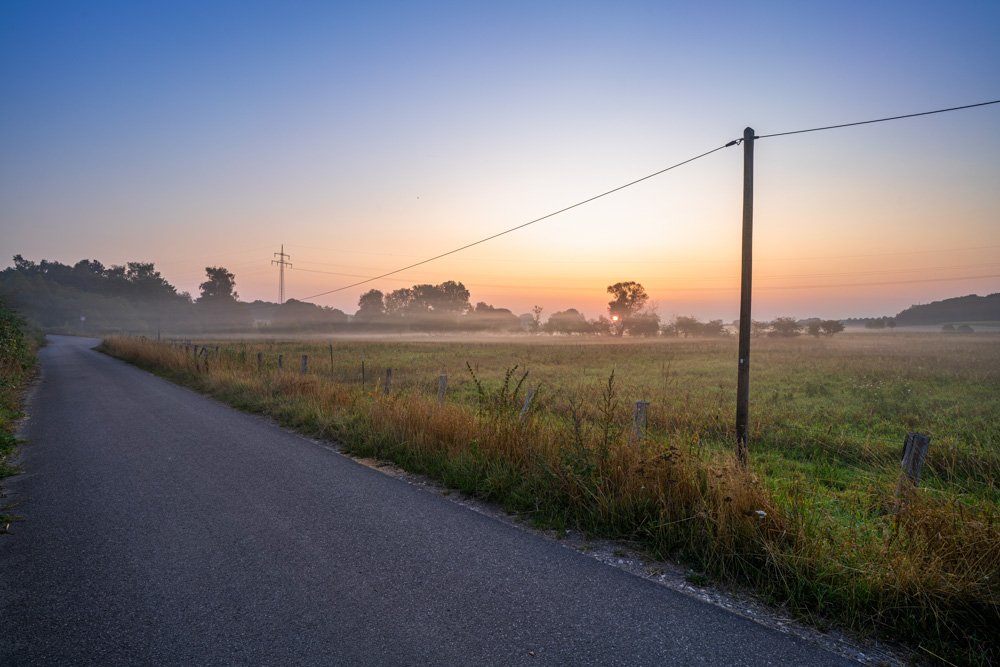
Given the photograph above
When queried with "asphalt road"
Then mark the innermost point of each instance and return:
(162, 528)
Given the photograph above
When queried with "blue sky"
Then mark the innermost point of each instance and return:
(371, 136)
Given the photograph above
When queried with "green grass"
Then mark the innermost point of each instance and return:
(815, 525)
(18, 343)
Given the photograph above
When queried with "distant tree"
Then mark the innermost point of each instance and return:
(687, 325)
(220, 286)
(964, 328)
(814, 328)
(295, 313)
(397, 302)
(831, 327)
(891, 323)
(449, 297)
(758, 329)
(948, 328)
(629, 300)
(536, 316)
(713, 329)
(603, 326)
(25, 266)
(875, 324)
(646, 325)
(145, 282)
(785, 327)
(489, 317)
(371, 305)
(567, 321)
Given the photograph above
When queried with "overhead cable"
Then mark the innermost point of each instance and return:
(877, 120)
(521, 226)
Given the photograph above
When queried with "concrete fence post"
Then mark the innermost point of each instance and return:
(527, 404)
(639, 420)
(442, 385)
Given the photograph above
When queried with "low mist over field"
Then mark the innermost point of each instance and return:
(88, 297)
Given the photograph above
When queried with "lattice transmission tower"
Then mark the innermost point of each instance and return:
(281, 271)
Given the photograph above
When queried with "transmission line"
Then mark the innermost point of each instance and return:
(877, 120)
(521, 226)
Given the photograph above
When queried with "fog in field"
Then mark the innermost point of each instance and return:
(90, 299)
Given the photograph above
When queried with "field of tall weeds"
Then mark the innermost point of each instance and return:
(821, 523)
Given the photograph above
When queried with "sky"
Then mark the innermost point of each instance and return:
(366, 137)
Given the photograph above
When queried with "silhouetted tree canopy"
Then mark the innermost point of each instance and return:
(629, 300)
(371, 305)
(567, 321)
(220, 286)
(785, 327)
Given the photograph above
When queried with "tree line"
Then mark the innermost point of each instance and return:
(134, 297)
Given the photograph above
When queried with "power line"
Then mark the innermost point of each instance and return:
(521, 226)
(878, 120)
(735, 142)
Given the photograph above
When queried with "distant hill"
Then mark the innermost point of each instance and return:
(970, 308)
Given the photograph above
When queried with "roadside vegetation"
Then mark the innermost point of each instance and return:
(821, 524)
(18, 343)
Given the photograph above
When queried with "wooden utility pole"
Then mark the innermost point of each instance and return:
(743, 374)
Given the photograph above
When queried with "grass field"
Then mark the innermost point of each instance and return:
(820, 523)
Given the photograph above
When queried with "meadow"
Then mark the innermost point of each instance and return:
(821, 523)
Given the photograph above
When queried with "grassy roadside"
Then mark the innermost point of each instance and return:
(815, 526)
(18, 343)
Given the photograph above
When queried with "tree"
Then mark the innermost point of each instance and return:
(831, 327)
(785, 327)
(397, 302)
(220, 286)
(891, 323)
(814, 328)
(145, 282)
(536, 317)
(568, 321)
(948, 328)
(629, 300)
(371, 305)
(965, 328)
(713, 328)
(447, 298)
(643, 324)
(486, 316)
(758, 329)
(687, 325)
(875, 324)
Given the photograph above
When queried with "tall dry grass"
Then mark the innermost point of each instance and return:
(923, 566)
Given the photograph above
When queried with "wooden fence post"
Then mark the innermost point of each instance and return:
(281, 359)
(388, 380)
(527, 404)
(442, 385)
(639, 420)
(260, 361)
(305, 363)
(331, 360)
(914, 451)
